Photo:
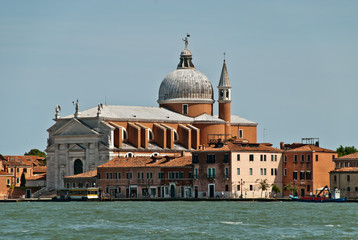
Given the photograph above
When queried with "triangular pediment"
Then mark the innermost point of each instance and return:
(76, 148)
(75, 128)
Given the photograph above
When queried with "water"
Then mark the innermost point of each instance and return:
(178, 220)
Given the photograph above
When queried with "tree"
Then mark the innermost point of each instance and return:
(35, 152)
(23, 180)
(291, 188)
(263, 185)
(275, 189)
(342, 151)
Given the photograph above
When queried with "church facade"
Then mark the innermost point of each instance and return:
(182, 123)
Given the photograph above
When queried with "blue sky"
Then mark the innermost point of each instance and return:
(292, 64)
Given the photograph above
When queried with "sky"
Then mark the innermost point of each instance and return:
(292, 64)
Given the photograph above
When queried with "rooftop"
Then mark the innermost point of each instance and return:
(148, 162)
(89, 174)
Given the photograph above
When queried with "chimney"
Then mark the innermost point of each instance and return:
(282, 145)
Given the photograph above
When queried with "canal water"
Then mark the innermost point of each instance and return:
(178, 220)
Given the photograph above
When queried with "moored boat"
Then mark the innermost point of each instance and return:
(321, 197)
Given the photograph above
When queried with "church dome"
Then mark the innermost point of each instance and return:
(186, 84)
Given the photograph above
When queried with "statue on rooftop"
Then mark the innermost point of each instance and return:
(58, 109)
(186, 40)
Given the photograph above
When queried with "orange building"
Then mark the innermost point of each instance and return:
(306, 167)
(183, 121)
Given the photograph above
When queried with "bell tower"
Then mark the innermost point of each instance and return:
(225, 99)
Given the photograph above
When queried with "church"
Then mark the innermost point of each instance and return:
(183, 122)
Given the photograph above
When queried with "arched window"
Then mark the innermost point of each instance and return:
(130, 154)
(150, 134)
(124, 134)
(78, 167)
(155, 154)
(176, 137)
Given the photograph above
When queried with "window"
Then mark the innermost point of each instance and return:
(333, 157)
(181, 175)
(275, 158)
(211, 172)
(226, 173)
(149, 175)
(285, 172)
(196, 173)
(119, 175)
(241, 133)
(356, 189)
(251, 187)
(238, 157)
(115, 175)
(271, 171)
(170, 175)
(25, 170)
(275, 171)
(150, 134)
(261, 171)
(264, 158)
(73, 185)
(316, 158)
(99, 175)
(285, 158)
(335, 178)
(67, 185)
(302, 175)
(210, 158)
(17, 170)
(226, 188)
(308, 188)
(195, 158)
(226, 158)
(109, 175)
(161, 175)
(348, 189)
(7, 181)
(185, 109)
(129, 175)
(130, 154)
(11, 170)
(295, 158)
(261, 157)
(238, 187)
(238, 171)
(124, 133)
(17, 180)
(302, 158)
(250, 170)
(251, 157)
(176, 175)
(294, 175)
(271, 158)
(190, 175)
(308, 175)
(139, 175)
(308, 158)
(348, 178)
(265, 171)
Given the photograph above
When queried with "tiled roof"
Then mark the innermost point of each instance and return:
(39, 169)
(310, 148)
(26, 160)
(346, 169)
(5, 173)
(148, 162)
(243, 148)
(37, 177)
(89, 174)
(349, 157)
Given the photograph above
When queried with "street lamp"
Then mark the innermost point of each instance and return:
(241, 182)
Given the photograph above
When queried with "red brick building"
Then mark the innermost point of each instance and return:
(144, 177)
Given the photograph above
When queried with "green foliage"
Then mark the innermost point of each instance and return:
(263, 185)
(291, 188)
(342, 151)
(23, 180)
(276, 189)
(35, 152)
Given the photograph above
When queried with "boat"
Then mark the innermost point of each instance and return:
(81, 194)
(324, 195)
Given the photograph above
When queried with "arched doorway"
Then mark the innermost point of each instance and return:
(77, 167)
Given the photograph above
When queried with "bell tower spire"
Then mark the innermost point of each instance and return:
(224, 88)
